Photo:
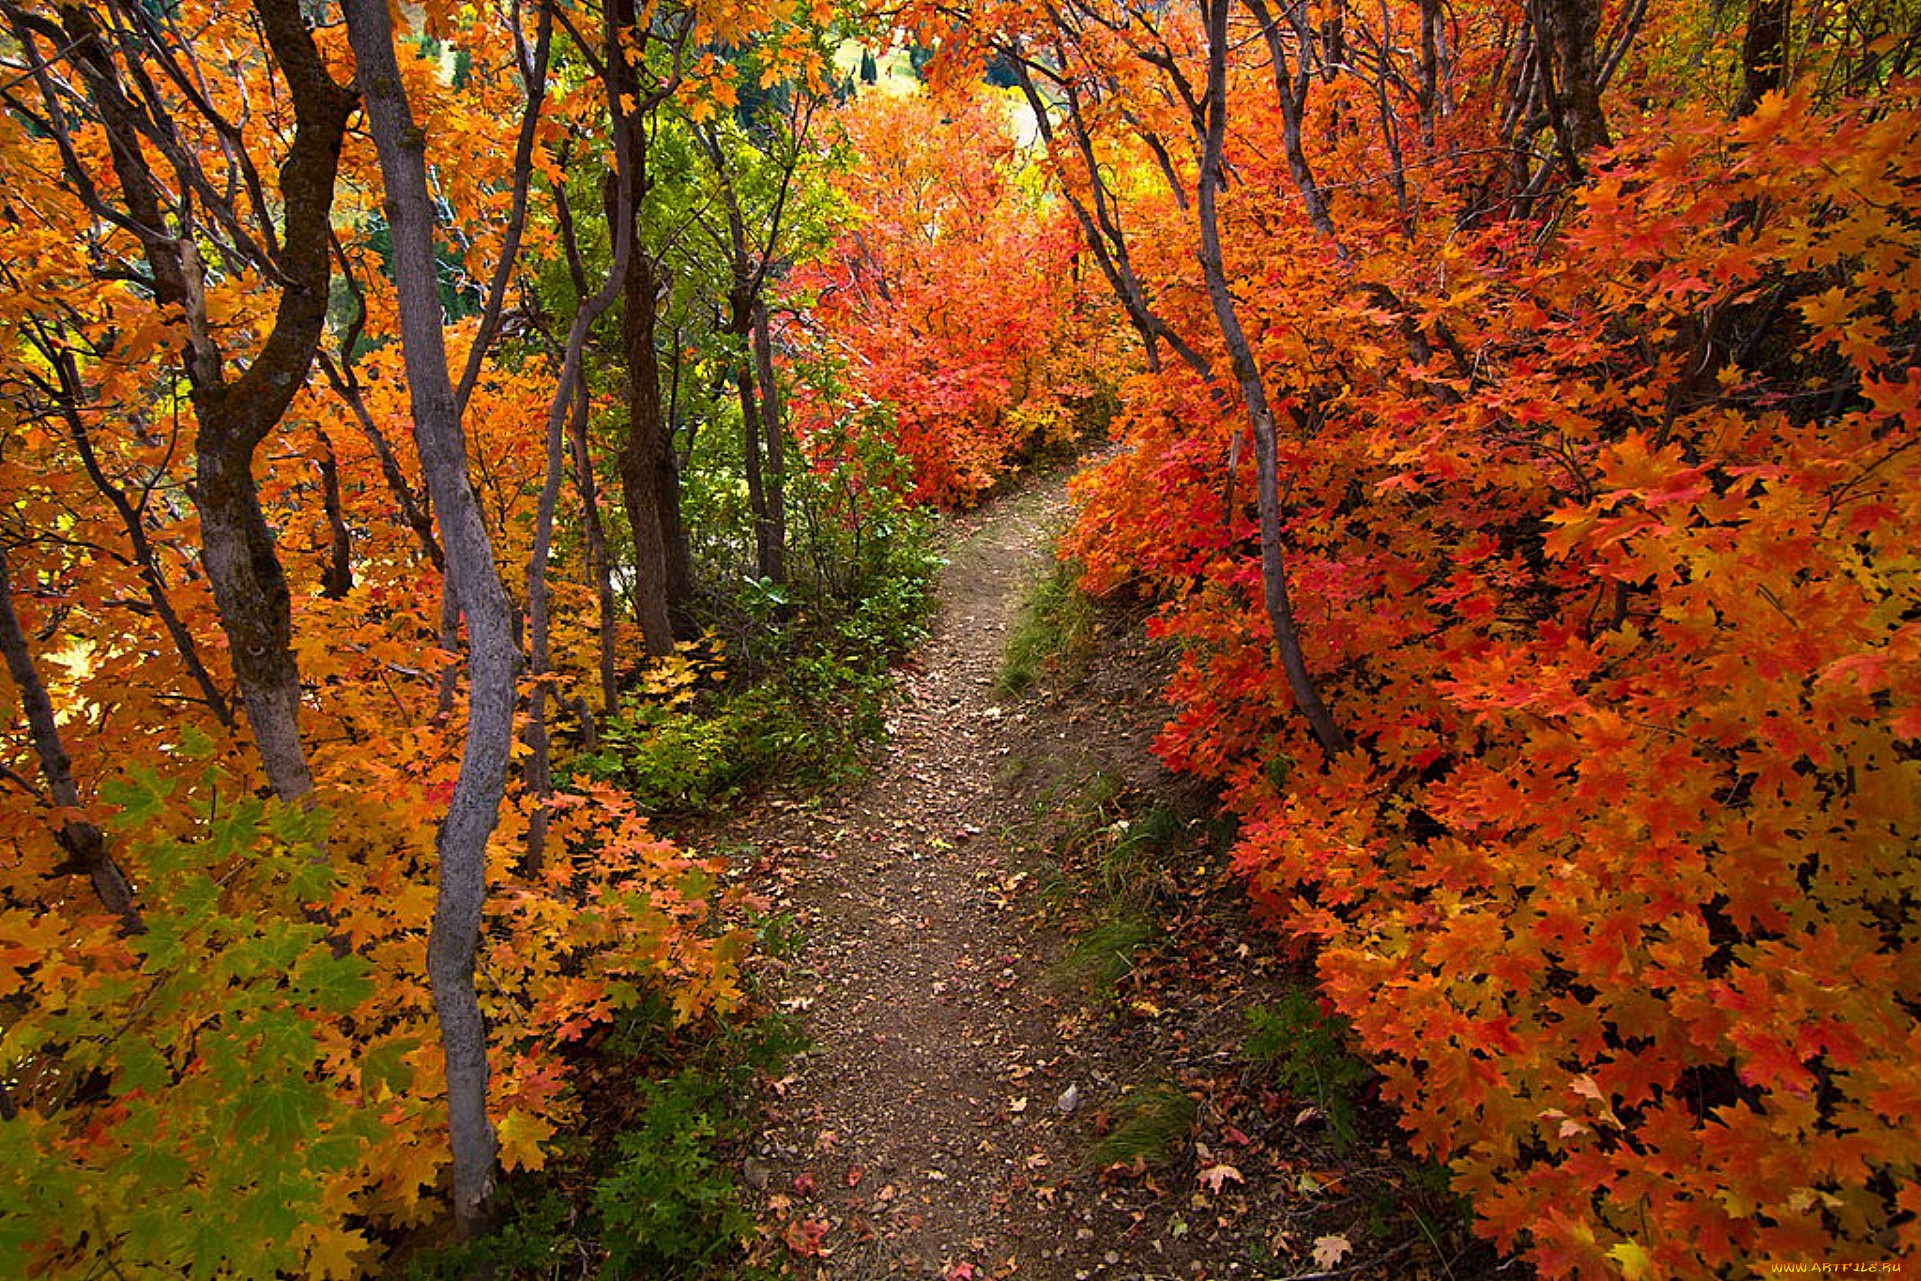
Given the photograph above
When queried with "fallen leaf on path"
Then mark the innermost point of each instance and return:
(1214, 1176)
(804, 1237)
(1330, 1250)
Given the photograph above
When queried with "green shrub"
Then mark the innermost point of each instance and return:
(1149, 1125)
(1104, 955)
(1306, 1049)
(669, 1206)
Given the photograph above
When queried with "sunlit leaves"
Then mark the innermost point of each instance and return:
(952, 300)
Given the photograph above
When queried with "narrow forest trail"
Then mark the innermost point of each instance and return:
(923, 1132)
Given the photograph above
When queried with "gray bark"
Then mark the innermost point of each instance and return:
(492, 655)
(599, 561)
(539, 768)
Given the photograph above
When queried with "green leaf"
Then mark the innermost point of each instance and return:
(142, 1068)
(334, 984)
(385, 1065)
(140, 795)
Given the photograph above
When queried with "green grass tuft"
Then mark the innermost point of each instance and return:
(1055, 632)
(1149, 1125)
(1104, 956)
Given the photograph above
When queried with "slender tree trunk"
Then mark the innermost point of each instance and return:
(750, 447)
(1103, 236)
(641, 453)
(85, 843)
(337, 580)
(620, 216)
(492, 656)
(413, 512)
(678, 552)
(600, 559)
(539, 783)
(775, 481)
(599, 570)
(1290, 92)
(1280, 609)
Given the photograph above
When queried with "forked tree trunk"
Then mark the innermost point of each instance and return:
(492, 657)
(1568, 33)
(233, 417)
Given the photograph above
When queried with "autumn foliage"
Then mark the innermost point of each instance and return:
(241, 1074)
(950, 299)
(1571, 350)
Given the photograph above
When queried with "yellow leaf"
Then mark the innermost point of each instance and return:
(332, 1253)
(521, 1133)
(1633, 1259)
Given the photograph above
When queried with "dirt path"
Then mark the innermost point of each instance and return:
(945, 1121)
(925, 1131)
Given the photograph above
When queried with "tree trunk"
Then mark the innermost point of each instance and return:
(775, 480)
(85, 843)
(1102, 235)
(1279, 605)
(745, 386)
(337, 579)
(641, 454)
(1290, 93)
(233, 418)
(1764, 52)
(678, 552)
(491, 653)
(620, 216)
(1567, 32)
(599, 571)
